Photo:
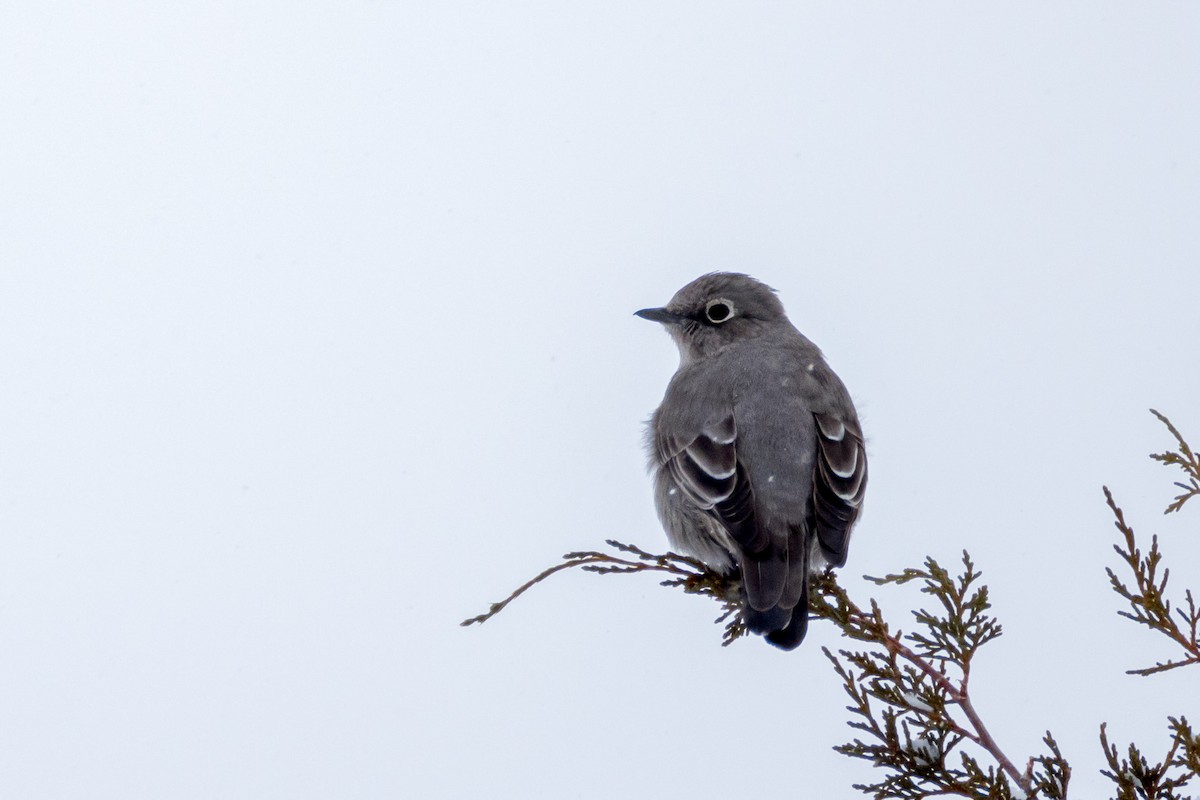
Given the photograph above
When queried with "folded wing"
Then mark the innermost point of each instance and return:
(839, 485)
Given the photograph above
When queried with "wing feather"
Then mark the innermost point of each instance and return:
(774, 566)
(839, 485)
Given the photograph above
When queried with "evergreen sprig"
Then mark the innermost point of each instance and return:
(1147, 595)
(1137, 778)
(1183, 458)
(690, 575)
(910, 694)
(910, 700)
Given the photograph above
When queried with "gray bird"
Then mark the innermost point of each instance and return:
(756, 450)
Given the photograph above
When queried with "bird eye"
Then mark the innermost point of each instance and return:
(718, 310)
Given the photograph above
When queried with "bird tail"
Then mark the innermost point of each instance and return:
(784, 623)
(791, 635)
(782, 627)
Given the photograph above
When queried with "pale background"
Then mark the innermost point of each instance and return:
(316, 338)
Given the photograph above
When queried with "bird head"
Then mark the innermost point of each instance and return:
(715, 311)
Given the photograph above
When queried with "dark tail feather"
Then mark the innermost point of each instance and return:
(790, 618)
(782, 627)
(765, 622)
(791, 635)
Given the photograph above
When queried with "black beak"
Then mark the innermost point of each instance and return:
(660, 315)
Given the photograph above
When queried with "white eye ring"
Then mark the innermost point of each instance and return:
(719, 310)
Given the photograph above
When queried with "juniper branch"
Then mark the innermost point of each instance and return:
(910, 693)
(1183, 458)
(691, 575)
(903, 693)
(1147, 598)
(1137, 778)
(912, 679)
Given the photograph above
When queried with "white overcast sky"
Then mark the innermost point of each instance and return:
(316, 338)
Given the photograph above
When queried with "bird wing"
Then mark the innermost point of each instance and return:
(706, 469)
(703, 463)
(841, 481)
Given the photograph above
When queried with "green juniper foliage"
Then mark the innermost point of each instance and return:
(910, 694)
(1147, 597)
(1135, 777)
(910, 691)
(688, 574)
